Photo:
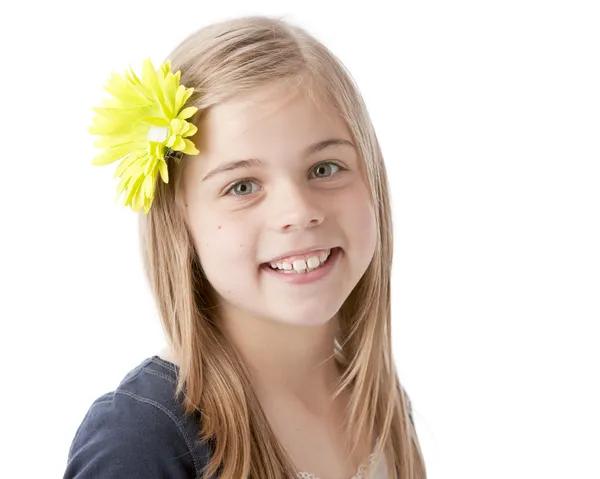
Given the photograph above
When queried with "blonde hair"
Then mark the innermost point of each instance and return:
(220, 61)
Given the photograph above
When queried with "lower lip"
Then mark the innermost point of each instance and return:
(304, 278)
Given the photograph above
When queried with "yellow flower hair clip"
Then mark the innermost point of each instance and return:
(139, 125)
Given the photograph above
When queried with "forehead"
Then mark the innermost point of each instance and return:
(273, 120)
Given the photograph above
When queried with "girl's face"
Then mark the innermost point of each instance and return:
(269, 183)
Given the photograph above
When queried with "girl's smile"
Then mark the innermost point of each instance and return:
(298, 274)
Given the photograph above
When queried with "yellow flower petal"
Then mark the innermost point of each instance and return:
(109, 156)
(179, 144)
(164, 171)
(151, 164)
(150, 79)
(148, 185)
(156, 121)
(190, 129)
(137, 201)
(189, 148)
(123, 184)
(188, 93)
(125, 164)
(165, 68)
(180, 96)
(120, 89)
(129, 173)
(170, 89)
(133, 189)
(176, 126)
(187, 112)
(113, 141)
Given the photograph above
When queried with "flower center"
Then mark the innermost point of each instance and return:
(158, 133)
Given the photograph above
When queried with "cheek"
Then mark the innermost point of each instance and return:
(360, 224)
(223, 245)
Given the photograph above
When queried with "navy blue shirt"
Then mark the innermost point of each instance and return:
(138, 430)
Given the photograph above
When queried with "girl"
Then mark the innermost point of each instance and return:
(268, 247)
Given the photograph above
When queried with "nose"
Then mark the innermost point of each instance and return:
(297, 207)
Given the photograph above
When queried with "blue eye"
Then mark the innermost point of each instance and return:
(241, 188)
(324, 166)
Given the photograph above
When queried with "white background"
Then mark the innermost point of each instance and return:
(489, 118)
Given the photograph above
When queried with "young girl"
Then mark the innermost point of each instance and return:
(267, 241)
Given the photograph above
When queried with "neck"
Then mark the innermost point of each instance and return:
(286, 360)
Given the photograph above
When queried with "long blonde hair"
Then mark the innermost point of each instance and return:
(220, 61)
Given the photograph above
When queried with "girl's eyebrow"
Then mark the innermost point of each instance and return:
(310, 150)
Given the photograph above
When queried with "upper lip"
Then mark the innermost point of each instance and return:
(300, 252)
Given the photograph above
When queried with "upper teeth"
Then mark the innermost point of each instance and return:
(301, 265)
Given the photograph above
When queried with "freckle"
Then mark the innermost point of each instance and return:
(219, 226)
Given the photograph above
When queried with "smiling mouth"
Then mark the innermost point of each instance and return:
(300, 266)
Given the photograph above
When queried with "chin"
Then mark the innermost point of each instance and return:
(306, 317)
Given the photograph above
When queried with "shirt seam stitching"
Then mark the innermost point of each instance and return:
(164, 364)
(169, 414)
(159, 374)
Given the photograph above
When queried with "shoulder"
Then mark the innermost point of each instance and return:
(138, 430)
